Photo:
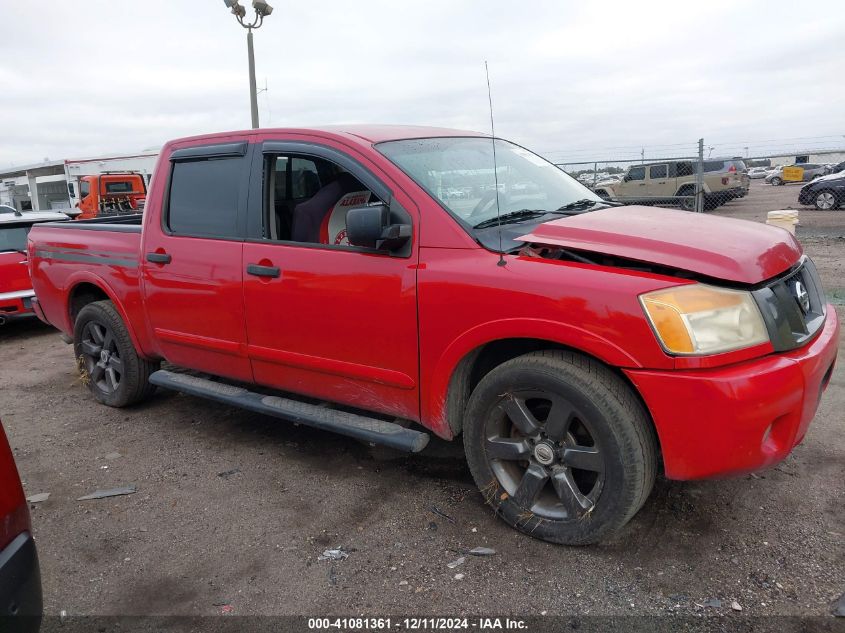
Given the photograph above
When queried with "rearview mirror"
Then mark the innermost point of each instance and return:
(370, 227)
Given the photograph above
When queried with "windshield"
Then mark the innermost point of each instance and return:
(13, 238)
(458, 172)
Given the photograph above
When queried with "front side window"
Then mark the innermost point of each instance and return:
(84, 188)
(307, 198)
(13, 238)
(204, 197)
(458, 172)
(636, 173)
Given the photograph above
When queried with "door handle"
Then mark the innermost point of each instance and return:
(263, 271)
(159, 258)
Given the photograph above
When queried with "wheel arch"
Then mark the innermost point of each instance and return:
(85, 288)
(481, 360)
(489, 345)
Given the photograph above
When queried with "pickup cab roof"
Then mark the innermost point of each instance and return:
(363, 134)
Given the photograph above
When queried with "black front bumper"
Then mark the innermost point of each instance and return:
(20, 586)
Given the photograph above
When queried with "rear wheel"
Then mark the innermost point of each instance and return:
(560, 447)
(107, 359)
(825, 200)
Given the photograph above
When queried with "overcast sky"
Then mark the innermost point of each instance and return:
(571, 80)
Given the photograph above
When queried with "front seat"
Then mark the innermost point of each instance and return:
(308, 216)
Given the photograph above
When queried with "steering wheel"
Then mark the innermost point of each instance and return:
(487, 199)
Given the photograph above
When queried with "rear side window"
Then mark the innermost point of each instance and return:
(657, 171)
(714, 165)
(636, 173)
(204, 197)
(685, 169)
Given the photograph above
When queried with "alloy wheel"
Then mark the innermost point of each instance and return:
(101, 357)
(825, 201)
(545, 455)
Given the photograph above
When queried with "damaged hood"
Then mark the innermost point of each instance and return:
(718, 247)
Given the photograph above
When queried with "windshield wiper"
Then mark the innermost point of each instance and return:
(585, 203)
(510, 218)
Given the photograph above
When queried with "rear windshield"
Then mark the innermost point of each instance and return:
(121, 186)
(13, 238)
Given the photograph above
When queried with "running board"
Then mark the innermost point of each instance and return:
(321, 417)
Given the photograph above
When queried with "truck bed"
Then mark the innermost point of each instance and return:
(102, 252)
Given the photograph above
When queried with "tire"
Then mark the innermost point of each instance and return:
(118, 377)
(825, 200)
(531, 480)
(777, 181)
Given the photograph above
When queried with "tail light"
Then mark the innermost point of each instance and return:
(732, 169)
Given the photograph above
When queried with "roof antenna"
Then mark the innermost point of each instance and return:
(502, 261)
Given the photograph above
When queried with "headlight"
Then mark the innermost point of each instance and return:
(698, 319)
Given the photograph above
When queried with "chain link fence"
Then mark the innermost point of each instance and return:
(686, 180)
(689, 179)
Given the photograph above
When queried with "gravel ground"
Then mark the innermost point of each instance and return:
(233, 509)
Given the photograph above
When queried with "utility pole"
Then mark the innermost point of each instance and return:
(699, 178)
(262, 10)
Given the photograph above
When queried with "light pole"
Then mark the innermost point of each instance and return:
(262, 10)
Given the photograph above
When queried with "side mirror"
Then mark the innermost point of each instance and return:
(370, 227)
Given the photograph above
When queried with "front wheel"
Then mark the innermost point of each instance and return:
(825, 200)
(108, 362)
(777, 181)
(560, 447)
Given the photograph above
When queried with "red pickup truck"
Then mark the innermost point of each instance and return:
(367, 278)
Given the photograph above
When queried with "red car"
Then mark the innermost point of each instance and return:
(15, 287)
(368, 278)
(20, 578)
